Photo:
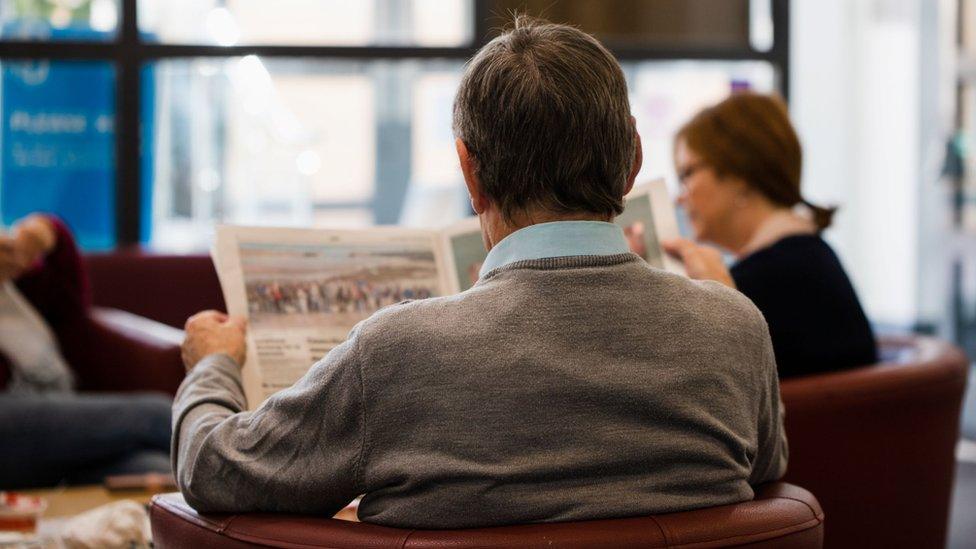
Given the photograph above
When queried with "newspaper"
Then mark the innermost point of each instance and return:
(302, 290)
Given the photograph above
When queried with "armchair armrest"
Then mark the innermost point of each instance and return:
(782, 515)
(112, 350)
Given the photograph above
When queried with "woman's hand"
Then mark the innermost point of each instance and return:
(31, 239)
(701, 262)
(11, 261)
(35, 237)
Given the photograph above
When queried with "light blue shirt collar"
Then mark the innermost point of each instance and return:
(556, 239)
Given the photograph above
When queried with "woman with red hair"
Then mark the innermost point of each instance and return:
(739, 165)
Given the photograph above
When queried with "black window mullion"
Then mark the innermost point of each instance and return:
(127, 135)
(480, 28)
(781, 45)
(26, 49)
(66, 50)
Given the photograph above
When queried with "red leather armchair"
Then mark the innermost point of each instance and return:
(165, 288)
(113, 350)
(781, 516)
(126, 352)
(107, 349)
(877, 444)
(117, 351)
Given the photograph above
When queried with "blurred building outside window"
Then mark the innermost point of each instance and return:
(307, 22)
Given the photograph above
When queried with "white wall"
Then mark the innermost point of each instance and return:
(855, 100)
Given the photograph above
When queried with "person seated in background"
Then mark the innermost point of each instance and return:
(50, 434)
(571, 382)
(739, 167)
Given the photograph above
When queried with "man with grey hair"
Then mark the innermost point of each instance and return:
(572, 382)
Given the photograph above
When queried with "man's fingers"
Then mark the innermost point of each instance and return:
(210, 313)
(206, 316)
(238, 322)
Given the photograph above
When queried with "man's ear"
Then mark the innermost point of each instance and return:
(479, 202)
(638, 158)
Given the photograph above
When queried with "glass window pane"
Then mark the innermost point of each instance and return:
(666, 94)
(299, 143)
(350, 144)
(59, 145)
(434, 160)
(307, 22)
(46, 20)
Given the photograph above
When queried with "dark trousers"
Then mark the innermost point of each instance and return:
(46, 440)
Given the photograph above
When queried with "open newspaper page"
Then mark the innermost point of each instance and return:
(648, 219)
(465, 253)
(303, 290)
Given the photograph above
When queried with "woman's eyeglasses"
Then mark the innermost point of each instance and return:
(689, 170)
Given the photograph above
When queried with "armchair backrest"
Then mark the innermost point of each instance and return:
(781, 516)
(877, 444)
(165, 288)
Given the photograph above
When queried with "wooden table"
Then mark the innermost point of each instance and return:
(65, 502)
(69, 501)
(72, 500)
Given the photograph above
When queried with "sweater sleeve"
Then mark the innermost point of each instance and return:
(299, 452)
(772, 452)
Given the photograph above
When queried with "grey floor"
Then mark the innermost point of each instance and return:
(962, 525)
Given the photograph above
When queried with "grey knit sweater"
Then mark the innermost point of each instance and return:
(554, 389)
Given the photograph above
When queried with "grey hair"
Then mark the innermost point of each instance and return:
(544, 111)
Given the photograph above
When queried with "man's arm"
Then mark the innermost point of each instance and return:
(773, 452)
(299, 452)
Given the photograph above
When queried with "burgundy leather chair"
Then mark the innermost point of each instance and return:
(108, 349)
(781, 516)
(126, 352)
(877, 444)
(117, 351)
(165, 288)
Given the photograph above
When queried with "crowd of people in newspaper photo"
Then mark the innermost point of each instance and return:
(335, 284)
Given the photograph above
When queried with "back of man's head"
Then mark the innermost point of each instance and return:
(543, 110)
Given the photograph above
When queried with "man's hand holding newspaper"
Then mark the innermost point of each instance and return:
(213, 332)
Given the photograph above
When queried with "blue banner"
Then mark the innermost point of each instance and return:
(58, 138)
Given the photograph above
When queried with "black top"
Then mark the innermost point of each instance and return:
(815, 319)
